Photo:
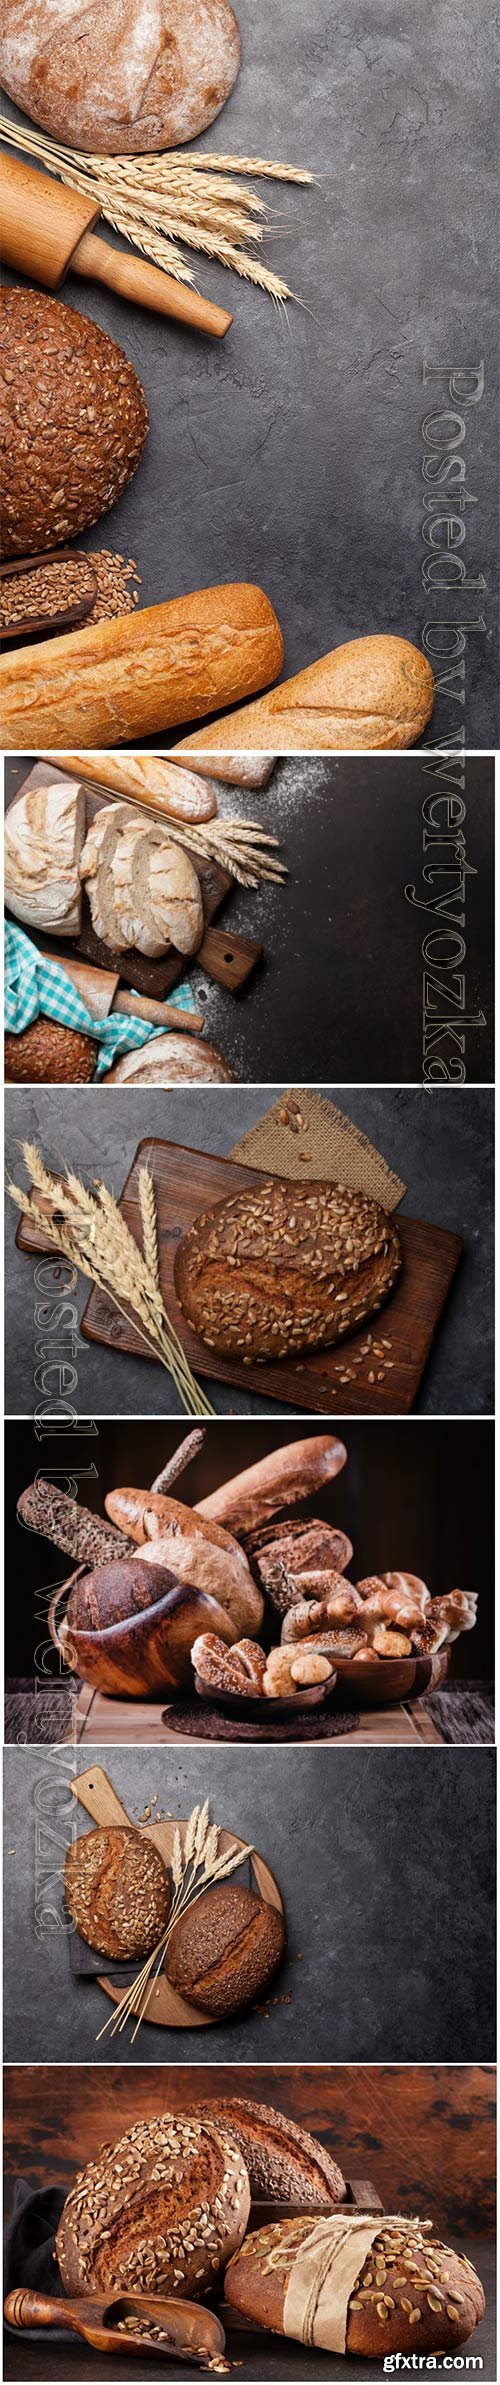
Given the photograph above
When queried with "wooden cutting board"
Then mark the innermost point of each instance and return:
(146, 977)
(188, 1182)
(94, 1791)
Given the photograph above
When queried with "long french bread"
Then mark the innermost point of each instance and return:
(236, 770)
(375, 693)
(151, 781)
(116, 680)
(278, 1480)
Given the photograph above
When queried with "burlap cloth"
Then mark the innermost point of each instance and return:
(305, 1136)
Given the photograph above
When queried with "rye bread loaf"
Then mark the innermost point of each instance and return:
(284, 2163)
(44, 833)
(71, 445)
(225, 1948)
(171, 1060)
(49, 1054)
(375, 693)
(199, 1552)
(113, 1592)
(115, 681)
(140, 75)
(287, 1267)
(117, 1891)
(160, 2212)
(89, 1539)
(412, 2293)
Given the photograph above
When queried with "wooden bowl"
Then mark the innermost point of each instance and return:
(388, 1680)
(262, 1709)
(148, 1654)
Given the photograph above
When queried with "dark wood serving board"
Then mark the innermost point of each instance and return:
(188, 1182)
(145, 976)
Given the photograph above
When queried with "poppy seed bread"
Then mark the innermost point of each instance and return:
(285, 1268)
(160, 2212)
(225, 1948)
(73, 422)
(117, 1891)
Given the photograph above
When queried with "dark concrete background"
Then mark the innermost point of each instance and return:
(291, 454)
(441, 1143)
(393, 1918)
(342, 973)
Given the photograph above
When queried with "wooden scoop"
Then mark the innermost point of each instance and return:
(46, 231)
(32, 623)
(190, 2332)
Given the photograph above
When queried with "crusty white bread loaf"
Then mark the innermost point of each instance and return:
(135, 76)
(287, 1267)
(373, 694)
(157, 2213)
(117, 680)
(237, 770)
(171, 1060)
(154, 782)
(411, 2294)
(44, 833)
(143, 890)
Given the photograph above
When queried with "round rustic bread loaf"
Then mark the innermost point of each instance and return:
(117, 1891)
(49, 1054)
(412, 2294)
(200, 1552)
(224, 1950)
(73, 422)
(287, 1267)
(171, 1060)
(160, 2212)
(111, 1593)
(284, 2163)
(137, 75)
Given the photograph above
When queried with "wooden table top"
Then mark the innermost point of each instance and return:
(119, 1721)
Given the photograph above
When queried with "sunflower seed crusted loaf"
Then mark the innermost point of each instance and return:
(117, 1891)
(284, 2163)
(285, 1268)
(412, 2295)
(159, 2212)
(73, 420)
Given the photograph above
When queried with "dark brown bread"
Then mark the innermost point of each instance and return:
(419, 2297)
(160, 2212)
(117, 1891)
(287, 1267)
(289, 1550)
(284, 2163)
(49, 1054)
(223, 1952)
(73, 422)
(88, 1538)
(113, 1592)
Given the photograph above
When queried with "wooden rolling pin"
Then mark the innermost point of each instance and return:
(46, 231)
(100, 990)
(190, 2332)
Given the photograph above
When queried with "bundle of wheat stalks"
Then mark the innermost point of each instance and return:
(158, 201)
(195, 1867)
(89, 1230)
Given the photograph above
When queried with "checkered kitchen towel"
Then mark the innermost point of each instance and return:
(34, 985)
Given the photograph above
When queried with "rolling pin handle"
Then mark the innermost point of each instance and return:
(133, 278)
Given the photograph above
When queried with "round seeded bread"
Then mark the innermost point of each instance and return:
(284, 2163)
(419, 2296)
(160, 2212)
(112, 1593)
(135, 76)
(117, 1891)
(225, 1948)
(287, 1267)
(171, 1060)
(73, 422)
(49, 1054)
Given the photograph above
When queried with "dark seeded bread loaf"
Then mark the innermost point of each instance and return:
(284, 2163)
(412, 2294)
(224, 1950)
(158, 2213)
(117, 1891)
(285, 1268)
(74, 441)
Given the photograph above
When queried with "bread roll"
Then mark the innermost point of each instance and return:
(137, 76)
(284, 1553)
(373, 694)
(73, 424)
(224, 1950)
(278, 1480)
(153, 782)
(287, 1267)
(239, 1669)
(116, 680)
(117, 1891)
(409, 2292)
(44, 833)
(171, 1060)
(157, 2213)
(284, 2163)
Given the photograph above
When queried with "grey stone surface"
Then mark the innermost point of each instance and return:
(392, 1918)
(439, 1142)
(292, 454)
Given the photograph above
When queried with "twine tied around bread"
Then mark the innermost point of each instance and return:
(325, 2272)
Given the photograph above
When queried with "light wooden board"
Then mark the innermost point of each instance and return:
(105, 1721)
(95, 1792)
(188, 1182)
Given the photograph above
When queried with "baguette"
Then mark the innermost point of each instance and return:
(348, 2283)
(116, 680)
(372, 694)
(151, 782)
(237, 770)
(278, 1480)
